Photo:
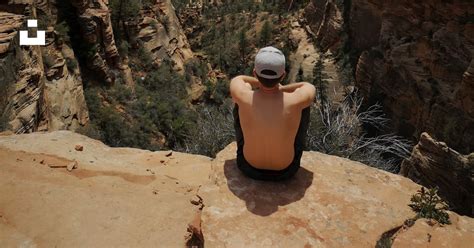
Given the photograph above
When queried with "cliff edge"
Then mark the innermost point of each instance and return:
(67, 190)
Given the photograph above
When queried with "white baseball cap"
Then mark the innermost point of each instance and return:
(272, 60)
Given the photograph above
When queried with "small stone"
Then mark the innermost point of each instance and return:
(79, 148)
(169, 154)
(71, 166)
(197, 200)
(162, 161)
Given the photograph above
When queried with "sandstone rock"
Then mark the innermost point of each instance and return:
(42, 93)
(326, 21)
(96, 204)
(163, 36)
(71, 166)
(20, 85)
(331, 202)
(64, 94)
(9, 25)
(458, 234)
(96, 26)
(416, 60)
(79, 148)
(434, 164)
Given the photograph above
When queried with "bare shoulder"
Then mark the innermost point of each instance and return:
(302, 97)
(240, 90)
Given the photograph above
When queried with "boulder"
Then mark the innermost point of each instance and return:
(433, 164)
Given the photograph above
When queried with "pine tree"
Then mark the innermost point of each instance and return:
(320, 83)
(243, 44)
(266, 33)
(123, 11)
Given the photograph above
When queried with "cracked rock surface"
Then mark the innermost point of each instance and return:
(331, 202)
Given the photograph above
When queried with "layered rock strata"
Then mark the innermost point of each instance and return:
(434, 164)
(41, 87)
(415, 58)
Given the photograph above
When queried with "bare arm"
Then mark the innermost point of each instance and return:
(304, 93)
(242, 85)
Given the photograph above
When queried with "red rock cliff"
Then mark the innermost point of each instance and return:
(414, 57)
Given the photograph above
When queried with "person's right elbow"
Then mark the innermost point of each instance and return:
(311, 91)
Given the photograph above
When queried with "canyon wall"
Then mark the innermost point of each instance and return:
(41, 86)
(415, 58)
(162, 36)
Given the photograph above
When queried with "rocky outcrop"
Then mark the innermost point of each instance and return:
(162, 35)
(22, 77)
(325, 18)
(427, 234)
(96, 26)
(41, 87)
(64, 94)
(115, 197)
(434, 164)
(415, 59)
(78, 198)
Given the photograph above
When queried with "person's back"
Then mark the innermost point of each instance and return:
(269, 127)
(270, 121)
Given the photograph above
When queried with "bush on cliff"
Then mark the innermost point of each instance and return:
(213, 131)
(427, 204)
(341, 131)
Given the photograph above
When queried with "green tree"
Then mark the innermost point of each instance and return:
(62, 31)
(266, 33)
(243, 45)
(122, 12)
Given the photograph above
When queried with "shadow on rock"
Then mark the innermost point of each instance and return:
(262, 197)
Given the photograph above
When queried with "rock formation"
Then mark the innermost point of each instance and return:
(434, 164)
(326, 21)
(39, 90)
(162, 35)
(415, 59)
(53, 193)
(96, 26)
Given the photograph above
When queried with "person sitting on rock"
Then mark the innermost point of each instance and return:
(270, 119)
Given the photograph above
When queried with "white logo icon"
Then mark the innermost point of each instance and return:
(40, 39)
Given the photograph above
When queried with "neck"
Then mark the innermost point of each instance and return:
(269, 90)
